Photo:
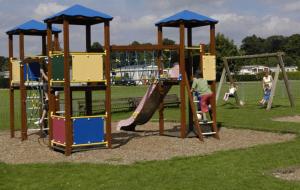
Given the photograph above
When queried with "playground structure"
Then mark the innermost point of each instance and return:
(24, 74)
(280, 68)
(66, 132)
(84, 71)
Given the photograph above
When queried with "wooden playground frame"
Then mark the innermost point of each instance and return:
(279, 68)
(21, 86)
(185, 69)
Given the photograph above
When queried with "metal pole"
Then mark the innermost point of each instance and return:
(222, 80)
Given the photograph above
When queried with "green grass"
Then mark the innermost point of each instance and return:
(238, 169)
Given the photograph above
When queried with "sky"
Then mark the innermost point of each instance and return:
(135, 19)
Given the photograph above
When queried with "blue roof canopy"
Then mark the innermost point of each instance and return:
(32, 27)
(189, 18)
(79, 15)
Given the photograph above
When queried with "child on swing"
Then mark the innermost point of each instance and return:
(230, 92)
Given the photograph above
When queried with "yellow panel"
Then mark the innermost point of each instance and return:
(87, 67)
(209, 67)
(15, 70)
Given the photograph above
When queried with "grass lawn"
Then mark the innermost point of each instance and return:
(239, 169)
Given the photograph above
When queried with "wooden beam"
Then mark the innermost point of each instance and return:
(286, 81)
(56, 42)
(273, 89)
(22, 89)
(143, 47)
(108, 88)
(256, 56)
(183, 82)
(44, 46)
(193, 109)
(222, 80)
(11, 89)
(88, 92)
(226, 67)
(189, 73)
(51, 108)
(213, 85)
(68, 102)
(160, 69)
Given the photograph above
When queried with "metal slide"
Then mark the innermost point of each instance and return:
(147, 107)
(149, 103)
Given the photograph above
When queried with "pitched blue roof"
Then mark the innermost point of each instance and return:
(32, 27)
(190, 19)
(87, 16)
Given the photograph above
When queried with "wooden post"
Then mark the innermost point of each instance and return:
(11, 89)
(226, 67)
(68, 122)
(22, 90)
(273, 89)
(44, 46)
(161, 105)
(56, 42)
(50, 101)
(222, 80)
(189, 73)
(183, 82)
(88, 92)
(286, 81)
(213, 85)
(108, 87)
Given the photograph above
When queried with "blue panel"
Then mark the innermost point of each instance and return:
(34, 71)
(187, 16)
(88, 130)
(79, 10)
(32, 25)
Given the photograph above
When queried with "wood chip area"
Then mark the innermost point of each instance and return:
(295, 118)
(290, 174)
(132, 147)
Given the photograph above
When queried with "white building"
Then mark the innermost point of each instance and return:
(286, 68)
(137, 72)
(253, 69)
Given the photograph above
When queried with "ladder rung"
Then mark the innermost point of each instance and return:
(199, 111)
(209, 133)
(208, 122)
(31, 119)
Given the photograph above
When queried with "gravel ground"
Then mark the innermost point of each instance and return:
(290, 174)
(295, 118)
(131, 147)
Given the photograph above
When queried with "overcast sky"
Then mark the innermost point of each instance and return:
(134, 19)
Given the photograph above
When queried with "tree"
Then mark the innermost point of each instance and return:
(224, 47)
(292, 49)
(253, 45)
(96, 47)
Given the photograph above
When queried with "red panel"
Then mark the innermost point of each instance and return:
(59, 130)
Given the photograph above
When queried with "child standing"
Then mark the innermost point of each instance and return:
(267, 93)
(200, 85)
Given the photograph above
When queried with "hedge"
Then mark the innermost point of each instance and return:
(259, 76)
(4, 83)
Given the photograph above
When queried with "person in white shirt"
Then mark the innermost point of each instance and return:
(267, 80)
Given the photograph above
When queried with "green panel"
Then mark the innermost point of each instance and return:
(58, 67)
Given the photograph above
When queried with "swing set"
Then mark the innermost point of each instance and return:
(279, 68)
